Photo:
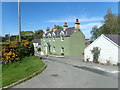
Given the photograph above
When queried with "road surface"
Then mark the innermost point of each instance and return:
(73, 73)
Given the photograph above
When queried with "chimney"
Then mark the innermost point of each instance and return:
(65, 26)
(77, 24)
(55, 28)
(47, 29)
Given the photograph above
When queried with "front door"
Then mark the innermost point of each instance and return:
(46, 51)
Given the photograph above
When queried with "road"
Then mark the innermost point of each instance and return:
(73, 73)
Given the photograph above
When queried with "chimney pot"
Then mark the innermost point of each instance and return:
(55, 26)
(77, 20)
(48, 29)
(65, 26)
(65, 23)
(77, 24)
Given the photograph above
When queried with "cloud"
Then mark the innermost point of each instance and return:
(86, 28)
(90, 25)
(72, 19)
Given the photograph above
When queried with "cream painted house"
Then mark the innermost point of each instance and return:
(109, 46)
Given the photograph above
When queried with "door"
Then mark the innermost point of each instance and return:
(46, 49)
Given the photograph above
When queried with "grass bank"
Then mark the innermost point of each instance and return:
(13, 72)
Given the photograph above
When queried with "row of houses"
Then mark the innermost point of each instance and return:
(71, 41)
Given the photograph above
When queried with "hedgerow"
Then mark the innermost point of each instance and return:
(15, 51)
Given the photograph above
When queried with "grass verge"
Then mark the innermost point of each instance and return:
(13, 72)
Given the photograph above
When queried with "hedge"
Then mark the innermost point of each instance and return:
(15, 51)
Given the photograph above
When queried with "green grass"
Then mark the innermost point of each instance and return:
(20, 69)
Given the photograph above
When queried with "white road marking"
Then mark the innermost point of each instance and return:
(99, 68)
(115, 71)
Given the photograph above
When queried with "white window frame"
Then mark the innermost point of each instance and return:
(53, 49)
(49, 35)
(62, 50)
(53, 38)
(62, 37)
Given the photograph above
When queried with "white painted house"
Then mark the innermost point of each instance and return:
(37, 44)
(109, 46)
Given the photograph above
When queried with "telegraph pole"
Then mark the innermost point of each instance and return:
(19, 21)
(9, 37)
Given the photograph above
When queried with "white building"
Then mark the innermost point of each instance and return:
(37, 44)
(109, 46)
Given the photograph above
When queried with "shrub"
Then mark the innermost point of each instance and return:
(62, 53)
(15, 51)
(96, 53)
(87, 59)
(38, 49)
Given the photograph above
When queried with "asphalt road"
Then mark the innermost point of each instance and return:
(72, 73)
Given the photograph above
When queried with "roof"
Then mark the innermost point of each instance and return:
(114, 38)
(36, 41)
(67, 32)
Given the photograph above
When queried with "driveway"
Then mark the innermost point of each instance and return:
(71, 72)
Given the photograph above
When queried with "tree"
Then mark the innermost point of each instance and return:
(27, 35)
(38, 34)
(95, 32)
(58, 27)
(109, 26)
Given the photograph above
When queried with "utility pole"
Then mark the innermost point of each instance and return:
(9, 37)
(19, 21)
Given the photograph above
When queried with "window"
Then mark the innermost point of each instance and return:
(53, 38)
(62, 50)
(62, 38)
(53, 48)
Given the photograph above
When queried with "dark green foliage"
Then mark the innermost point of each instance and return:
(39, 49)
(62, 53)
(110, 25)
(58, 27)
(25, 35)
(96, 53)
(38, 34)
(23, 51)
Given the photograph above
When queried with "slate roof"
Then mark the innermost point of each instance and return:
(37, 41)
(67, 32)
(114, 38)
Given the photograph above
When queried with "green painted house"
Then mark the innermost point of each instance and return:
(68, 40)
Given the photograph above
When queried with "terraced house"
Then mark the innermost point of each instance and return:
(68, 40)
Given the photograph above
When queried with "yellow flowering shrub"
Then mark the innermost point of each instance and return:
(15, 51)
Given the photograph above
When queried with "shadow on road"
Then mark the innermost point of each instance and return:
(92, 70)
(81, 67)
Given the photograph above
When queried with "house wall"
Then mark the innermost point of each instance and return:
(73, 45)
(109, 51)
(77, 43)
(58, 44)
(35, 44)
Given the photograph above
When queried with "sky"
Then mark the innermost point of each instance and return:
(39, 15)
